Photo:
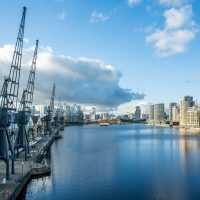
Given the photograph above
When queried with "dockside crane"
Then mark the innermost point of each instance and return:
(48, 118)
(8, 98)
(56, 118)
(23, 116)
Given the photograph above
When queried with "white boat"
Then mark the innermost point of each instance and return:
(103, 123)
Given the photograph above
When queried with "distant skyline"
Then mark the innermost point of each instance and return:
(107, 53)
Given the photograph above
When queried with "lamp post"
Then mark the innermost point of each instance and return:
(4, 182)
(31, 160)
(22, 169)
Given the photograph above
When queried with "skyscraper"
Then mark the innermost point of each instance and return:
(185, 103)
(93, 113)
(159, 112)
(175, 114)
(151, 113)
(170, 110)
(137, 112)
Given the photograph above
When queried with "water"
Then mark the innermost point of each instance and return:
(125, 162)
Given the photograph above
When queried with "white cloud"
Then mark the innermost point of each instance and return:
(133, 2)
(130, 107)
(176, 18)
(98, 17)
(26, 40)
(178, 32)
(78, 80)
(173, 2)
(62, 15)
(167, 43)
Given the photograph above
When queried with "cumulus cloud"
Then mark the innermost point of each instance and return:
(133, 2)
(177, 18)
(178, 32)
(168, 43)
(26, 40)
(78, 80)
(98, 17)
(130, 107)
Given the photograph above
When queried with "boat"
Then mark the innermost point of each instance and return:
(134, 120)
(103, 123)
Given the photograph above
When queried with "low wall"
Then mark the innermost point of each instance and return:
(12, 190)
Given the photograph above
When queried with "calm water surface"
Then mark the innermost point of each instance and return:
(121, 162)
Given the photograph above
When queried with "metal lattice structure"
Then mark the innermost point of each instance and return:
(57, 114)
(50, 110)
(8, 98)
(23, 115)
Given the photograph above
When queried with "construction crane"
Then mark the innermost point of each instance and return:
(50, 109)
(57, 114)
(23, 115)
(8, 98)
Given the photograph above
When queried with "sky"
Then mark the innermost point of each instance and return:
(112, 54)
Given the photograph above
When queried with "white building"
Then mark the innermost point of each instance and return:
(171, 105)
(39, 109)
(184, 104)
(193, 115)
(175, 114)
(93, 114)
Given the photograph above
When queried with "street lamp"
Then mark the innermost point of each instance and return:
(22, 169)
(31, 162)
(4, 182)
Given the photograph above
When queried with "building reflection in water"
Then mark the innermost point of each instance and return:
(93, 162)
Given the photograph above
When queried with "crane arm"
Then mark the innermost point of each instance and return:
(27, 96)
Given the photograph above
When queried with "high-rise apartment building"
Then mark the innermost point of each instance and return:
(67, 109)
(175, 114)
(93, 114)
(185, 103)
(39, 110)
(193, 117)
(151, 113)
(171, 105)
(159, 112)
(74, 113)
(137, 112)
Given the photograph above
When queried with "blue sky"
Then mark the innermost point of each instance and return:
(147, 47)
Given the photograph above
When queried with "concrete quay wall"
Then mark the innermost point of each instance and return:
(26, 170)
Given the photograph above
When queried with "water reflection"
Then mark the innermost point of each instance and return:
(121, 162)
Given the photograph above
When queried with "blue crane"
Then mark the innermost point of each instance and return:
(48, 118)
(23, 116)
(8, 98)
